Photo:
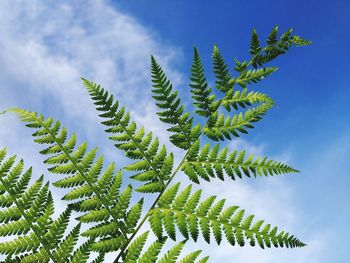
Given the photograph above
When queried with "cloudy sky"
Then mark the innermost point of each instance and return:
(46, 46)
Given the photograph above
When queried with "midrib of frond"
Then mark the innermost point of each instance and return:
(29, 222)
(75, 164)
(256, 166)
(236, 226)
(152, 207)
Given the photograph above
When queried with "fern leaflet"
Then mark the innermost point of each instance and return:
(28, 214)
(98, 192)
(153, 252)
(171, 111)
(154, 165)
(192, 216)
(209, 163)
(201, 94)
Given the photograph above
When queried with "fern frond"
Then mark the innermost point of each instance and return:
(153, 165)
(172, 111)
(220, 127)
(97, 192)
(275, 47)
(210, 218)
(254, 75)
(221, 71)
(28, 216)
(209, 163)
(235, 99)
(153, 252)
(201, 93)
(255, 47)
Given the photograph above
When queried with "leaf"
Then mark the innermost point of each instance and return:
(28, 216)
(209, 217)
(201, 93)
(151, 162)
(206, 163)
(95, 190)
(171, 110)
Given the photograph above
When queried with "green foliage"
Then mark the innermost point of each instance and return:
(199, 88)
(221, 127)
(275, 47)
(221, 71)
(209, 163)
(96, 192)
(113, 217)
(153, 165)
(27, 212)
(153, 252)
(191, 216)
(171, 109)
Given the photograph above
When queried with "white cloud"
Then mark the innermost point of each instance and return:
(46, 46)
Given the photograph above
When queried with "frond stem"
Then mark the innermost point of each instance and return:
(152, 207)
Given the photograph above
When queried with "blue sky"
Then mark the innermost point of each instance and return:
(46, 46)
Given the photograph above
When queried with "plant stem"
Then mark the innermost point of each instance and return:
(153, 206)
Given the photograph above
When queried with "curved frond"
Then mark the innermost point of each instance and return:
(154, 165)
(220, 127)
(255, 46)
(221, 71)
(242, 99)
(172, 111)
(209, 163)
(28, 218)
(275, 47)
(96, 192)
(254, 75)
(191, 216)
(201, 93)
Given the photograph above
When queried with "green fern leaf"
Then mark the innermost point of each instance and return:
(171, 112)
(135, 248)
(201, 93)
(153, 252)
(28, 215)
(27, 209)
(97, 191)
(211, 218)
(254, 75)
(205, 163)
(153, 164)
(221, 127)
(255, 47)
(276, 47)
(221, 71)
(242, 99)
